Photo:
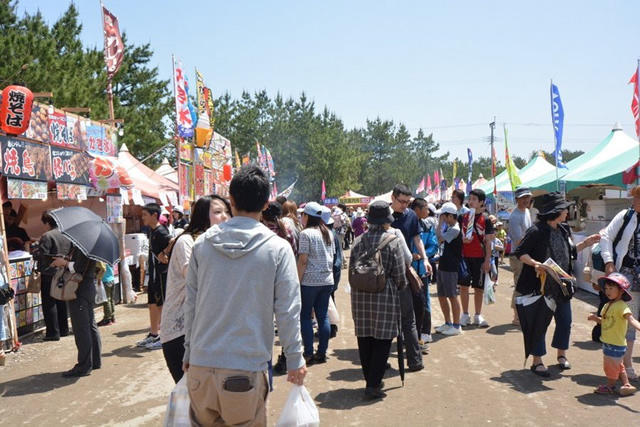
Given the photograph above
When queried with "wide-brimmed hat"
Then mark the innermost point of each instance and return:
(313, 209)
(523, 192)
(379, 213)
(553, 202)
(619, 280)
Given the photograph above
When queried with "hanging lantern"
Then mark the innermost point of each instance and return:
(15, 110)
(226, 172)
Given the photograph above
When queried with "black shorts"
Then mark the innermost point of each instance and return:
(157, 289)
(475, 270)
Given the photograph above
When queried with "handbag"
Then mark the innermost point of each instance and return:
(414, 280)
(35, 280)
(64, 285)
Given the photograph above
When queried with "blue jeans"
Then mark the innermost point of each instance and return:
(316, 299)
(561, 335)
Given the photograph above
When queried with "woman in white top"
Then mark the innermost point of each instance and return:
(207, 211)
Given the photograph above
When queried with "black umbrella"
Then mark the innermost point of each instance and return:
(400, 344)
(89, 233)
(535, 313)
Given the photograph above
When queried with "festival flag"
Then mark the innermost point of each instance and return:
(420, 188)
(287, 191)
(632, 174)
(238, 164)
(259, 150)
(635, 102)
(428, 189)
(246, 159)
(514, 179)
(324, 192)
(557, 117)
(269, 162)
(456, 183)
(113, 46)
(469, 183)
(183, 115)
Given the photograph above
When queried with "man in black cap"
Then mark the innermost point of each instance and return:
(519, 222)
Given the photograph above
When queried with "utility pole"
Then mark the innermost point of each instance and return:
(492, 126)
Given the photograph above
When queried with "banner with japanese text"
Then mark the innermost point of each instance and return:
(71, 167)
(199, 181)
(26, 160)
(98, 140)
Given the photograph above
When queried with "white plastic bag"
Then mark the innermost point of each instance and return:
(101, 294)
(177, 414)
(489, 293)
(332, 313)
(300, 410)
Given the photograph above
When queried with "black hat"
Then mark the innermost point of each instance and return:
(522, 192)
(379, 213)
(553, 202)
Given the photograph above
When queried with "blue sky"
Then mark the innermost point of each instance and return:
(448, 67)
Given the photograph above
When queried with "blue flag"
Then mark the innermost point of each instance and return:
(557, 117)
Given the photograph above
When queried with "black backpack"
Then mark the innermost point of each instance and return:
(366, 273)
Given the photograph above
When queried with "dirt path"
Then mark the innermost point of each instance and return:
(475, 378)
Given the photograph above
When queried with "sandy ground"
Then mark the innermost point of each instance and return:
(476, 378)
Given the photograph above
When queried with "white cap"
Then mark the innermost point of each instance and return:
(449, 208)
(326, 216)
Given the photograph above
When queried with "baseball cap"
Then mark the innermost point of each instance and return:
(326, 216)
(522, 192)
(313, 209)
(449, 208)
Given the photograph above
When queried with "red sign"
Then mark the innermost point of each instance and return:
(199, 181)
(15, 110)
(113, 46)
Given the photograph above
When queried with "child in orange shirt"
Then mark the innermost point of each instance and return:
(616, 315)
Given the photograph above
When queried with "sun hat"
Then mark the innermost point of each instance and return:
(448, 208)
(553, 202)
(313, 209)
(379, 213)
(619, 280)
(522, 192)
(326, 215)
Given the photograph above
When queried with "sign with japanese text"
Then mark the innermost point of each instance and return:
(69, 166)
(98, 141)
(199, 184)
(183, 178)
(71, 191)
(27, 160)
(58, 132)
(15, 109)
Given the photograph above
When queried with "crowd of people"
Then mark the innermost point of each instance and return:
(217, 281)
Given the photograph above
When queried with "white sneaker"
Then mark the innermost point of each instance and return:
(465, 320)
(479, 321)
(441, 328)
(148, 339)
(452, 330)
(154, 345)
(426, 337)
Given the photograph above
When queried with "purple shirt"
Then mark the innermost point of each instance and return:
(358, 226)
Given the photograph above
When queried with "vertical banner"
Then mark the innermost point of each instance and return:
(557, 117)
(199, 181)
(184, 181)
(323, 194)
(183, 115)
(514, 179)
(635, 102)
(113, 45)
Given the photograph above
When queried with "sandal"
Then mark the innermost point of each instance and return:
(564, 365)
(627, 390)
(16, 347)
(604, 389)
(540, 373)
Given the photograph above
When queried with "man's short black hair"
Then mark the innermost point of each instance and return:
(342, 207)
(152, 208)
(418, 203)
(480, 194)
(459, 194)
(250, 189)
(281, 199)
(401, 189)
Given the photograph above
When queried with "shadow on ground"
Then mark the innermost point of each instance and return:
(35, 384)
(127, 351)
(503, 329)
(349, 355)
(349, 375)
(524, 381)
(344, 398)
(587, 345)
(121, 334)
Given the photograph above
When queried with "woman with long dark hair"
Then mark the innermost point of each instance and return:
(271, 217)
(207, 211)
(315, 271)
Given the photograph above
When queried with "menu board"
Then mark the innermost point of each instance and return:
(26, 160)
(69, 166)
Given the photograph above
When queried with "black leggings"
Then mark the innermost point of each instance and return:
(373, 358)
(173, 352)
(419, 310)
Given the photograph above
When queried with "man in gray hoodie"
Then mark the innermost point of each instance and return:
(240, 275)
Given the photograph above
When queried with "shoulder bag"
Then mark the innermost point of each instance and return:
(35, 279)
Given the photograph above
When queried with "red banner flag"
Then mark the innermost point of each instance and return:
(635, 102)
(428, 189)
(324, 191)
(113, 46)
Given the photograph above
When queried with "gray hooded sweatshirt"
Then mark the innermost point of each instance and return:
(240, 275)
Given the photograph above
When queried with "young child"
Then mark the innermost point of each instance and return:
(501, 236)
(616, 315)
(447, 280)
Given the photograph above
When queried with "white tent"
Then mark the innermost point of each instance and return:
(167, 171)
(386, 197)
(538, 166)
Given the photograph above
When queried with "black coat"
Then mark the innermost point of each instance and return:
(52, 243)
(536, 244)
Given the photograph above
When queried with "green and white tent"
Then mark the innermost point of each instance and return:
(538, 166)
(603, 165)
